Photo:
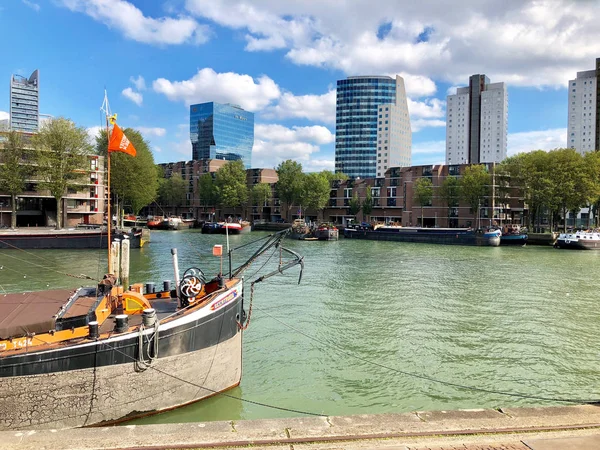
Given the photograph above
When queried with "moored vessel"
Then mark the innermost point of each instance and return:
(579, 240)
(46, 238)
(326, 232)
(448, 236)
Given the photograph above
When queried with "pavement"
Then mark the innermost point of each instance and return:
(553, 428)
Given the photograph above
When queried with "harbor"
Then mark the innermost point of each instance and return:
(491, 318)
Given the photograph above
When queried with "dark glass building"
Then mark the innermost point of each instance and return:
(358, 99)
(221, 131)
(25, 103)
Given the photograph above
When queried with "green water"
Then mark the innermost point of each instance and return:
(505, 319)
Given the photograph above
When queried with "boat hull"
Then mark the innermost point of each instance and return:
(431, 236)
(577, 244)
(100, 382)
(327, 235)
(513, 239)
(64, 239)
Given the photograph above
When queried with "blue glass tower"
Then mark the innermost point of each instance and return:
(25, 103)
(356, 117)
(221, 131)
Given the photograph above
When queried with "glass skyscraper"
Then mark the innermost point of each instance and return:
(221, 131)
(25, 103)
(356, 124)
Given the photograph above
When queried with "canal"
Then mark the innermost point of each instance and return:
(373, 325)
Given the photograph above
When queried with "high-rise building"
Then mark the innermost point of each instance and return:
(221, 131)
(25, 103)
(477, 123)
(584, 111)
(372, 126)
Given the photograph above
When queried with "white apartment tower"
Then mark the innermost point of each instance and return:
(394, 135)
(584, 111)
(477, 123)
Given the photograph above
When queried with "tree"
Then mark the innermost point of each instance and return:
(133, 179)
(14, 170)
(261, 193)
(290, 183)
(230, 183)
(335, 176)
(475, 186)
(207, 190)
(171, 191)
(61, 150)
(367, 206)
(423, 193)
(316, 191)
(449, 192)
(354, 205)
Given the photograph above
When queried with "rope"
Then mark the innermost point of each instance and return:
(81, 276)
(141, 363)
(245, 327)
(434, 380)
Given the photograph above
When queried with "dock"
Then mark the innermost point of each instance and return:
(551, 428)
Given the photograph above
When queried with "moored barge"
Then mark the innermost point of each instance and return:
(448, 236)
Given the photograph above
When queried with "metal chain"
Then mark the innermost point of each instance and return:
(244, 327)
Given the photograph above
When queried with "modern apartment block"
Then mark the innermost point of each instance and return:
(584, 111)
(221, 131)
(477, 123)
(372, 127)
(25, 103)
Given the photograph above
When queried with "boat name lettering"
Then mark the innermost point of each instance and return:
(18, 343)
(224, 300)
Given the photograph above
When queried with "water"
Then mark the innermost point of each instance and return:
(368, 316)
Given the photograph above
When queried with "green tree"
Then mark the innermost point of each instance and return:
(230, 183)
(334, 176)
(207, 190)
(367, 206)
(61, 150)
(475, 186)
(290, 183)
(316, 191)
(423, 193)
(261, 193)
(171, 191)
(449, 192)
(133, 179)
(15, 169)
(354, 205)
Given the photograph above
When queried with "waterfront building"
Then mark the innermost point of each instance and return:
(477, 123)
(24, 103)
(584, 111)
(372, 126)
(221, 131)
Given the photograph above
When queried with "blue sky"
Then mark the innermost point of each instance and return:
(281, 60)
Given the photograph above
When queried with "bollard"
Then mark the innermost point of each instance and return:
(125, 245)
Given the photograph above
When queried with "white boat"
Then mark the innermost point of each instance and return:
(579, 240)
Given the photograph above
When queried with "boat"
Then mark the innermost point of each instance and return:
(578, 240)
(211, 228)
(99, 354)
(131, 220)
(166, 223)
(226, 227)
(154, 222)
(449, 236)
(70, 238)
(326, 232)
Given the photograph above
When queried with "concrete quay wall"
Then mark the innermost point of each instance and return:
(392, 431)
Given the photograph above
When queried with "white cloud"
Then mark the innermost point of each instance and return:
(275, 143)
(536, 43)
(4, 115)
(320, 108)
(135, 97)
(208, 85)
(417, 125)
(156, 148)
(151, 131)
(429, 152)
(93, 133)
(32, 5)
(528, 141)
(418, 85)
(139, 82)
(177, 150)
(131, 21)
(427, 109)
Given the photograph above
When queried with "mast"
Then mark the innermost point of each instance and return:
(106, 108)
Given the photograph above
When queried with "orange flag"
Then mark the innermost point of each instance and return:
(119, 142)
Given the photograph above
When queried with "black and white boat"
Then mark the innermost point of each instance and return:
(104, 353)
(579, 240)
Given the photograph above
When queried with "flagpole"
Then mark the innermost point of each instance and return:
(108, 184)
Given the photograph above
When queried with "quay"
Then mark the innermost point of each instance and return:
(549, 428)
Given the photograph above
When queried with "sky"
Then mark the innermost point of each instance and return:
(281, 60)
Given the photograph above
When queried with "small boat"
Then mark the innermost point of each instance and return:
(513, 235)
(99, 354)
(155, 222)
(211, 228)
(165, 223)
(579, 240)
(326, 232)
(448, 236)
(300, 230)
(45, 238)
(133, 221)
